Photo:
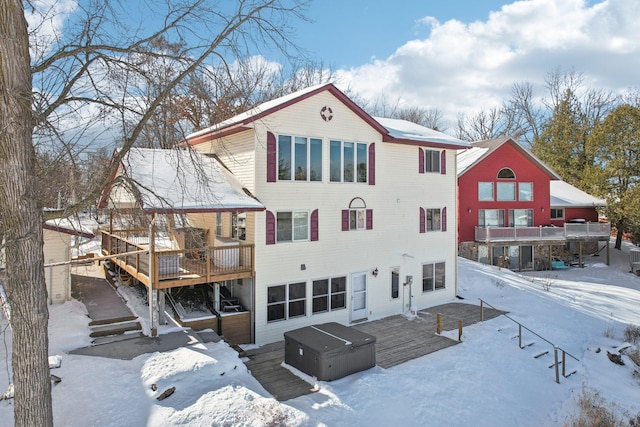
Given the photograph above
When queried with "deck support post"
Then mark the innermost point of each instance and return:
(153, 314)
(608, 259)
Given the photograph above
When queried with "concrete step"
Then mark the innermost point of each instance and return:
(114, 329)
(112, 320)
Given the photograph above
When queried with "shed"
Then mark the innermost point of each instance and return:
(59, 235)
(329, 351)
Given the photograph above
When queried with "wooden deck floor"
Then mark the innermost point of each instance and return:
(398, 340)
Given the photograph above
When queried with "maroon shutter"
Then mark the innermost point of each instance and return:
(345, 220)
(443, 219)
(272, 159)
(314, 225)
(372, 164)
(443, 162)
(420, 160)
(369, 219)
(271, 228)
(423, 220)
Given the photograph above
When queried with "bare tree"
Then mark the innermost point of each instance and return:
(54, 84)
(486, 124)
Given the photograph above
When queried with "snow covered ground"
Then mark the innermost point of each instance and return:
(484, 381)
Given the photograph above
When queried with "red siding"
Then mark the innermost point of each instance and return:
(588, 214)
(525, 169)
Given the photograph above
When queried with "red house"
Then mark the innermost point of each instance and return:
(514, 211)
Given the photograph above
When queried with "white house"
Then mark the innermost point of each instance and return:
(361, 215)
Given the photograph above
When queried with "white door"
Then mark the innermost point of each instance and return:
(358, 296)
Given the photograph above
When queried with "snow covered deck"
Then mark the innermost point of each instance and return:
(570, 232)
(179, 267)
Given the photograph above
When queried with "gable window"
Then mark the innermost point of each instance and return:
(329, 294)
(557, 213)
(432, 161)
(286, 301)
(525, 191)
(299, 158)
(520, 217)
(348, 161)
(433, 276)
(485, 191)
(506, 173)
(491, 218)
(357, 217)
(506, 191)
(292, 226)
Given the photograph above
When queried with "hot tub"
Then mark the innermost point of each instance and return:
(329, 351)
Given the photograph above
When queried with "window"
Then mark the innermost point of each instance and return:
(520, 217)
(219, 224)
(491, 218)
(525, 191)
(329, 294)
(433, 219)
(276, 296)
(357, 219)
(557, 213)
(395, 282)
(506, 173)
(433, 276)
(286, 301)
(348, 161)
(299, 158)
(432, 161)
(485, 191)
(238, 226)
(292, 226)
(506, 191)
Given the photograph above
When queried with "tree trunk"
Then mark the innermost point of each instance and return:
(619, 234)
(22, 224)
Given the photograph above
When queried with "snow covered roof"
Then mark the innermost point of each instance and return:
(466, 158)
(69, 225)
(565, 195)
(179, 180)
(406, 130)
(392, 130)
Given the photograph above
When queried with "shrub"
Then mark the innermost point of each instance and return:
(632, 334)
(595, 411)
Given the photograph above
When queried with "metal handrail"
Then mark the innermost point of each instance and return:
(520, 327)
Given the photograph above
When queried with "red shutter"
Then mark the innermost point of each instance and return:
(271, 228)
(420, 160)
(372, 164)
(314, 225)
(345, 220)
(443, 162)
(423, 220)
(272, 159)
(443, 219)
(369, 219)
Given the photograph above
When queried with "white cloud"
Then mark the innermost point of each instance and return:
(46, 18)
(463, 67)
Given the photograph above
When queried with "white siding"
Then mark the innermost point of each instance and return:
(57, 248)
(394, 241)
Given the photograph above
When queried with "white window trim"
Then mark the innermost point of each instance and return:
(293, 239)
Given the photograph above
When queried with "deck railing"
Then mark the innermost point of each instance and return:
(568, 232)
(196, 265)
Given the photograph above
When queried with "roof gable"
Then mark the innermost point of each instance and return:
(392, 130)
(480, 150)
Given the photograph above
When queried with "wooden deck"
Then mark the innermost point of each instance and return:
(398, 340)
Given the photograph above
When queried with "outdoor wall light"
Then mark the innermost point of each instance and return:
(375, 272)
(541, 208)
(469, 210)
(303, 266)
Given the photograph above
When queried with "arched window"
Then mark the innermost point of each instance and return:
(357, 217)
(506, 173)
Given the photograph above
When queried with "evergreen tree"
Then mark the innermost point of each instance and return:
(615, 172)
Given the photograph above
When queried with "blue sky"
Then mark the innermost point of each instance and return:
(460, 57)
(348, 33)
